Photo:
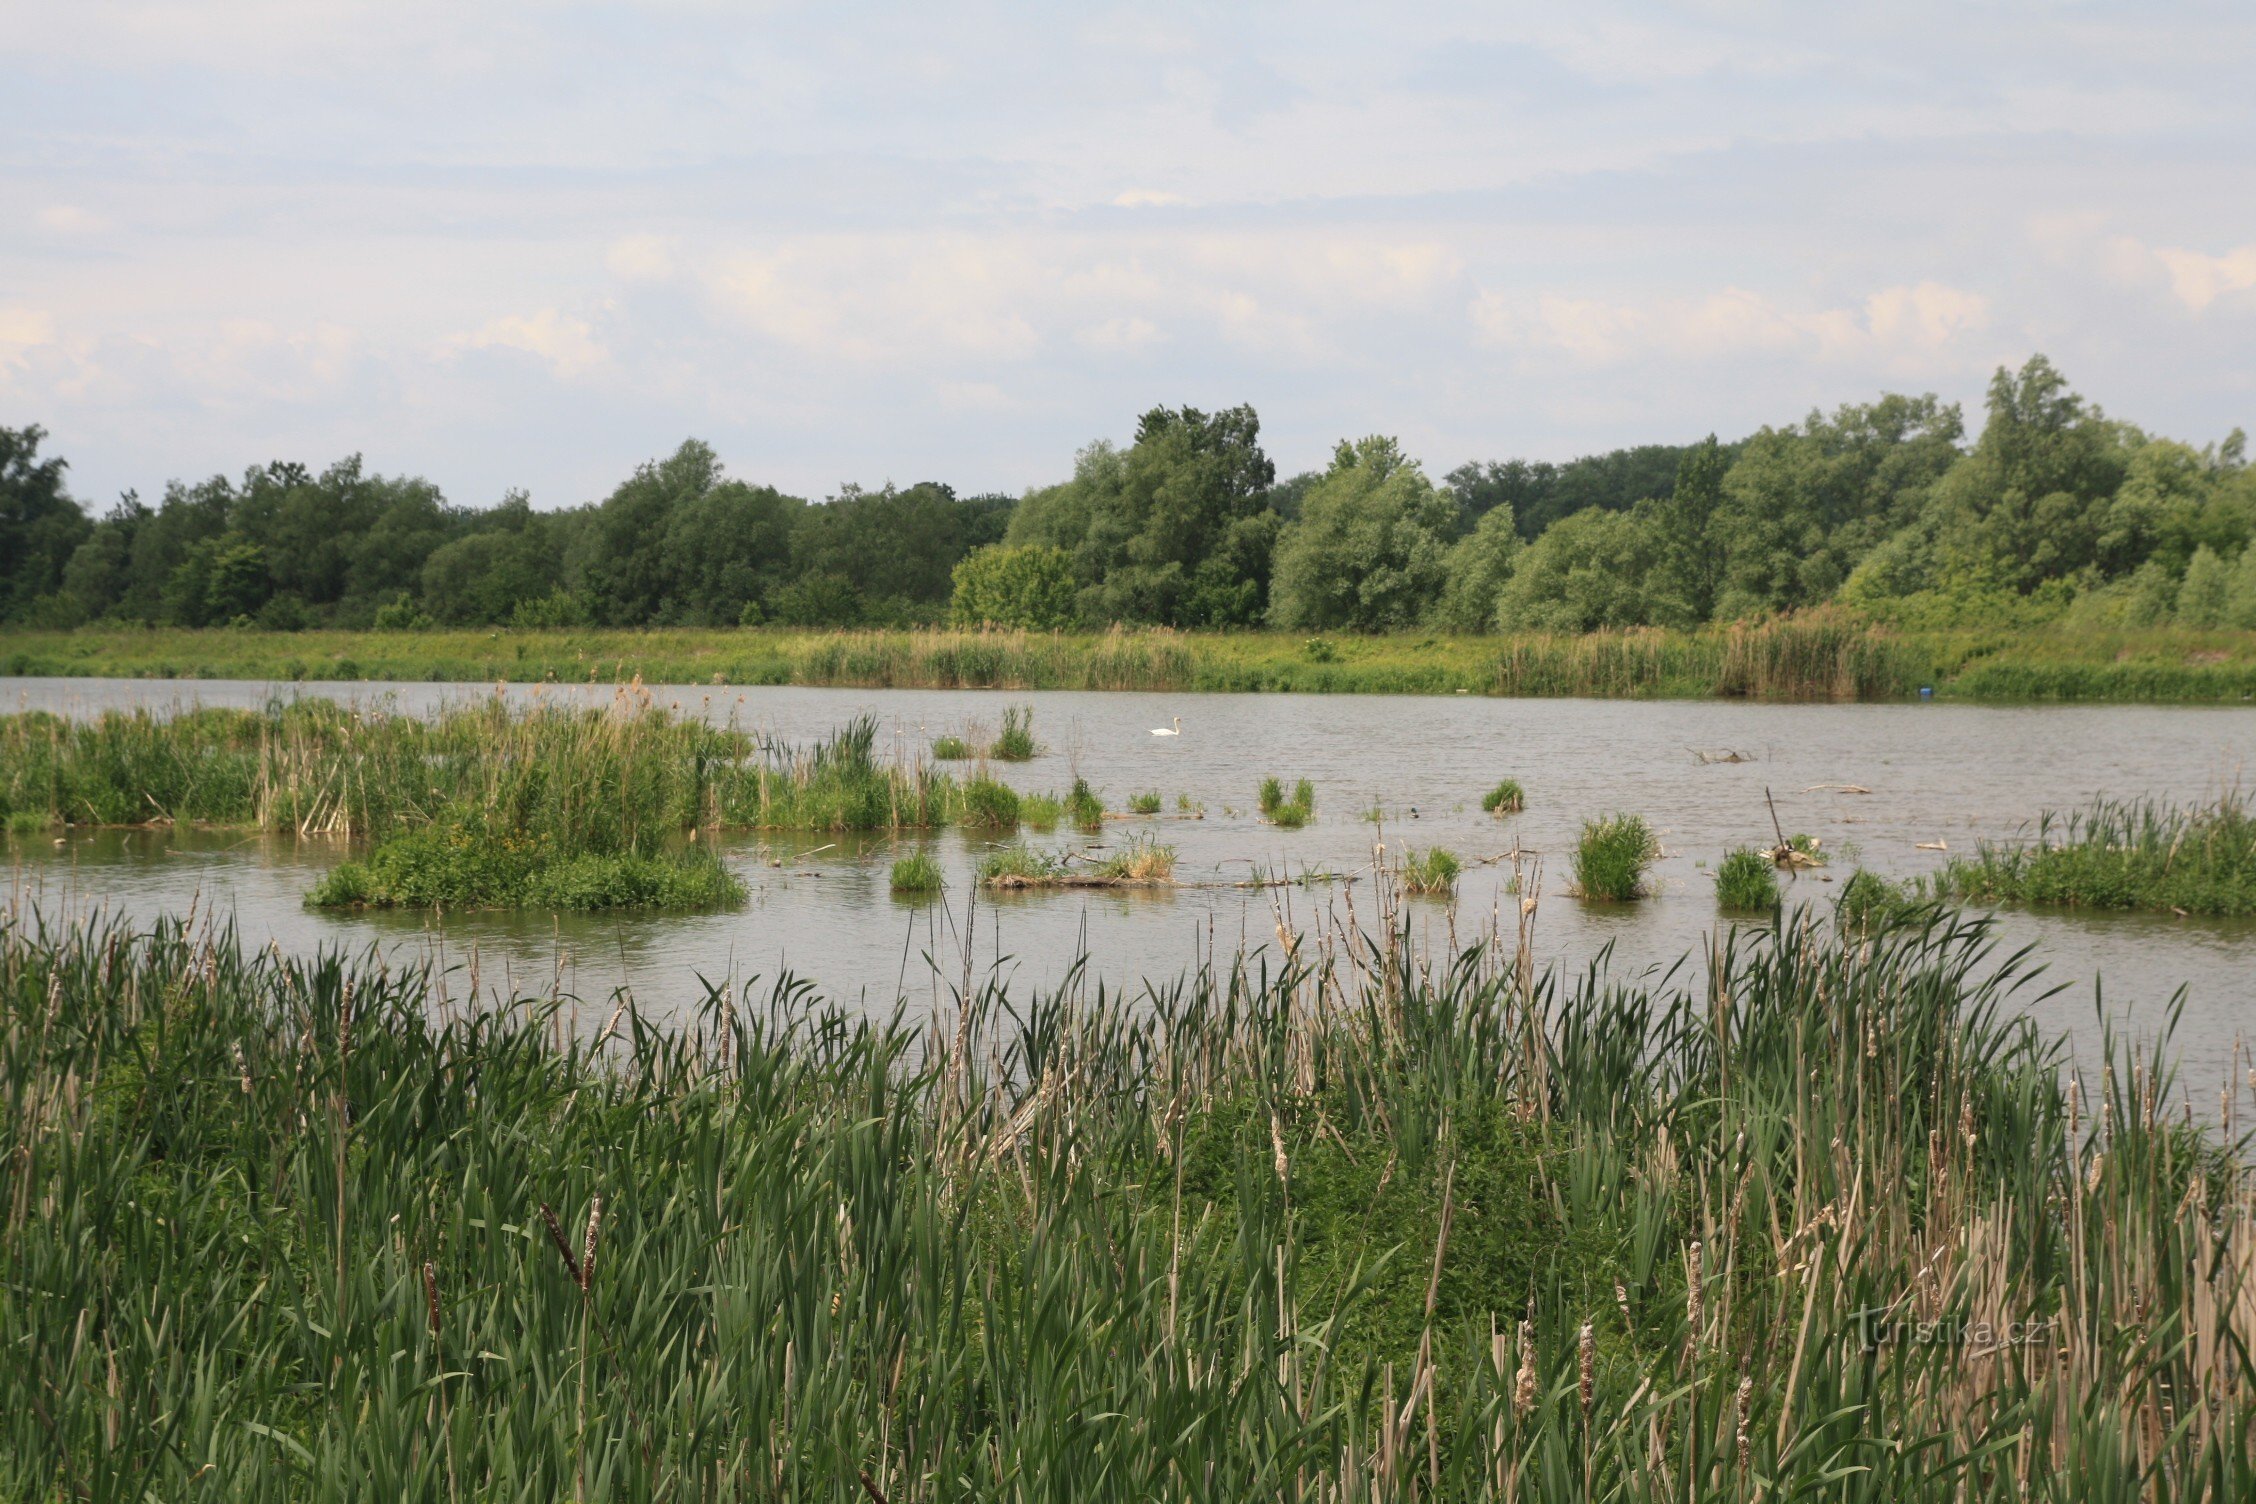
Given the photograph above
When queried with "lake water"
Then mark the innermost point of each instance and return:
(1935, 773)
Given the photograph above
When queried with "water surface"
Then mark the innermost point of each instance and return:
(1936, 773)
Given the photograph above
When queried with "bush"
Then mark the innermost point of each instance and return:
(1747, 880)
(1611, 857)
(916, 873)
(1028, 587)
(1507, 798)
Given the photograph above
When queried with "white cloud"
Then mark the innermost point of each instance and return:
(69, 219)
(2201, 280)
(640, 258)
(1900, 326)
(1147, 198)
(23, 330)
(568, 344)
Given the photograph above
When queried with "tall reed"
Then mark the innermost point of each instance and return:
(1810, 1218)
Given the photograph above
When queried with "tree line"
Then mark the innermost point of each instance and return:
(2053, 511)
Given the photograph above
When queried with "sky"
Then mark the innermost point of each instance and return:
(531, 245)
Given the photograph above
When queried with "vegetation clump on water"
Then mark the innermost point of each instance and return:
(1432, 871)
(1747, 881)
(1292, 813)
(1016, 741)
(1390, 1223)
(1611, 857)
(916, 873)
(2122, 854)
(951, 748)
(1507, 798)
(1145, 803)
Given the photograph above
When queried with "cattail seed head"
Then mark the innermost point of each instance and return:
(587, 1255)
(1523, 1387)
(1695, 1297)
(1588, 1342)
(1746, 1404)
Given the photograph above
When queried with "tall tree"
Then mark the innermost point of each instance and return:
(40, 526)
(1369, 550)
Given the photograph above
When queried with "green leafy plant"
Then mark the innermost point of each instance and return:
(1747, 880)
(1507, 798)
(1611, 857)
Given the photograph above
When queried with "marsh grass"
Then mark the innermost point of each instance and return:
(1083, 806)
(1611, 857)
(1351, 1222)
(1507, 798)
(1041, 811)
(1020, 865)
(1140, 860)
(916, 873)
(1145, 803)
(2121, 854)
(1292, 813)
(1016, 741)
(1747, 881)
(1825, 655)
(986, 804)
(1870, 902)
(1433, 871)
(951, 748)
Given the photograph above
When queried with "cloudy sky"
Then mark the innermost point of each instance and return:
(509, 243)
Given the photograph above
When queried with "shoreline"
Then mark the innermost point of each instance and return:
(1822, 658)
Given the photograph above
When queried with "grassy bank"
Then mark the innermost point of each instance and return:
(1820, 656)
(1824, 1225)
(2121, 854)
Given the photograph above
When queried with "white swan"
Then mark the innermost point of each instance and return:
(1175, 730)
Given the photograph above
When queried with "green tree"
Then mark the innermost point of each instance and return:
(2030, 502)
(1690, 561)
(1155, 530)
(40, 526)
(1804, 507)
(1476, 568)
(1028, 585)
(2205, 590)
(2240, 592)
(1368, 552)
(1594, 569)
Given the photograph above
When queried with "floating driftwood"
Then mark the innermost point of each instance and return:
(1838, 788)
(1721, 754)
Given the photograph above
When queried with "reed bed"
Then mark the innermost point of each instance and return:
(1433, 871)
(1827, 654)
(917, 873)
(1810, 1218)
(2122, 854)
(1288, 813)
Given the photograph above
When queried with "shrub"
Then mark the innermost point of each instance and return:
(1747, 880)
(916, 873)
(1611, 857)
(1507, 798)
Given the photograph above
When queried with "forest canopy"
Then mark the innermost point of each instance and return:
(1897, 508)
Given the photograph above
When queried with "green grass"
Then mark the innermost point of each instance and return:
(465, 867)
(986, 804)
(1016, 742)
(1433, 871)
(1083, 806)
(1823, 655)
(1146, 803)
(1019, 864)
(1611, 857)
(2121, 854)
(1507, 798)
(951, 749)
(1870, 903)
(916, 873)
(1141, 859)
(1359, 1223)
(1291, 814)
(1747, 881)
